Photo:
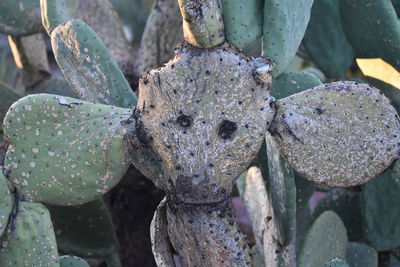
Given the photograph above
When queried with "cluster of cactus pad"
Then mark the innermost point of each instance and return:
(224, 107)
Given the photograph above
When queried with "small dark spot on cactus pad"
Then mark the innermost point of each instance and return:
(184, 121)
(318, 110)
(226, 129)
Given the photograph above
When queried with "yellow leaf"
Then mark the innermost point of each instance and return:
(379, 69)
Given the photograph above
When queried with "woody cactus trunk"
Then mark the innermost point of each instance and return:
(198, 123)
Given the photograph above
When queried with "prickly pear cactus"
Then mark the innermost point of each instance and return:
(326, 239)
(93, 219)
(203, 24)
(379, 17)
(347, 205)
(289, 83)
(29, 238)
(325, 39)
(359, 254)
(189, 133)
(162, 249)
(202, 145)
(336, 262)
(88, 66)
(9, 96)
(285, 23)
(72, 261)
(11, 13)
(6, 203)
(350, 127)
(380, 210)
(282, 190)
(243, 21)
(83, 144)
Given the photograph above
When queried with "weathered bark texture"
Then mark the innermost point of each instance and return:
(204, 116)
(203, 25)
(162, 33)
(207, 235)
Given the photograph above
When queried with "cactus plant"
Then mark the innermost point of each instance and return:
(382, 233)
(359, 254)
(347, 205)
(325, 40)
(336, 262)
(29, 237)
(328, 236)
(72, 261)
(198, 123)
(380, 18)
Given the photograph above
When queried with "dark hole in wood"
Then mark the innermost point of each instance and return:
(226, 129)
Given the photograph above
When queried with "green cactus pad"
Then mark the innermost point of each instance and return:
(316, 72)
(55, 86)
(304, 191)
(6, 202)
(203, 25)
(20, 17)
(396, 5)
(257, 259)
(64, 151)
(346, 204)
(243, 21)
(103, 19)
(57, 12)
(340, 134)
(162, 249)
(93, 219)
(380, 210)
(8, 97)
(289, 83)
(304, 221)
(88, 66)
(393, 261)
(29, 239)
(266, 229)
(380, 20)
(391, 92)
(361, 255)
(325, 40)
(256, 200)
(336, 262)
(285, 23)
(72, 261)
(326, 239)
(134, 16)
(282, 190)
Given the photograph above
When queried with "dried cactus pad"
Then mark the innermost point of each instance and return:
(6, 202)
(64, 151)
(161, 246)
(340, 134)
(29, 239)
(204, 115)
